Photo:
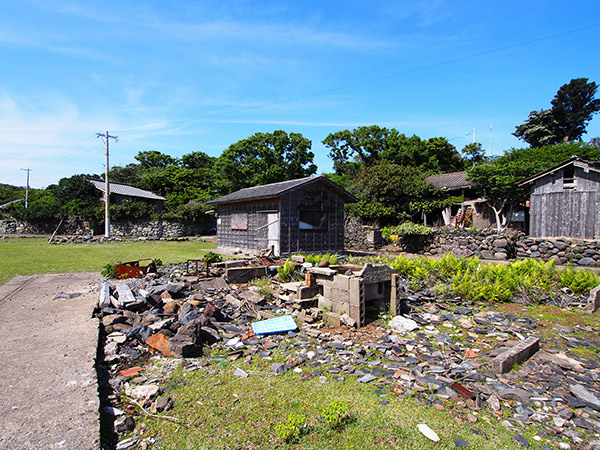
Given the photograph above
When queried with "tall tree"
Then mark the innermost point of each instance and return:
(264, 158)
(572, 108)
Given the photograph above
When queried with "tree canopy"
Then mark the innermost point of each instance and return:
(572, 108)
(264, 158)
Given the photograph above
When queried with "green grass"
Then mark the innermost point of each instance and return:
(221, 411)
(20, 256)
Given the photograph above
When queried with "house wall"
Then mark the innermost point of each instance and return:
(556, 211)
(314, 197)
(255, 236)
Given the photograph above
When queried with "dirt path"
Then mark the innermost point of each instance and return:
(48, 388)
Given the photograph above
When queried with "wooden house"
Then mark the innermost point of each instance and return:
(305, 215)
(472, 211)
(565, 200)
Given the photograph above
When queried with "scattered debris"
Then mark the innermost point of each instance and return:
(436, 351)
(134, 269)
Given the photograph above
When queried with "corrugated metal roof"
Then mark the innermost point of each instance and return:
(278, 189)
(450, 181)
(125, 189)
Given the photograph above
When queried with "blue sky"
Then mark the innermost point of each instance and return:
(181, 76)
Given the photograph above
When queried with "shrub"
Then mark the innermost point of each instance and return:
(336, 414)
(292, 429)
(405, 229)
(287, 272)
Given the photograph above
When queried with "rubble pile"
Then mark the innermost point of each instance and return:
(439, 351)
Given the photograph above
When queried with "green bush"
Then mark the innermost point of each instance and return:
(131, 211)
(315, 259)
(292, 429)
(404, 229)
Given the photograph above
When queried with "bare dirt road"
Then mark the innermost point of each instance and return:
(48, 342)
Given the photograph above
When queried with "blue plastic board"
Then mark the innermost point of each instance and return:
(275, 325)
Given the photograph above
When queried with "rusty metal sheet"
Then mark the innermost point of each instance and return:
(135, 269)
(463, 391)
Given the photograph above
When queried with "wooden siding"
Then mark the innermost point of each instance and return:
(253, 238)
(314, 197)
(556, 211)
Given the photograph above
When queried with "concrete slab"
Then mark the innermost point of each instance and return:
(47, 376)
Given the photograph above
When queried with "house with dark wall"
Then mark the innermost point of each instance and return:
(305, 215)
(119, 192)
(565, 200)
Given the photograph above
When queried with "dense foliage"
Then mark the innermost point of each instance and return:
(529, 279)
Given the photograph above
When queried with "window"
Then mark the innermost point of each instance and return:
(313, 220)
(239, 221)
(569, 177)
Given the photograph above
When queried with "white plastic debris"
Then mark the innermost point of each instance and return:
(428, 432)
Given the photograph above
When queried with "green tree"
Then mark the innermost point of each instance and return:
(154, 159)
(386, 191)
(473, 154)
(76, 196)
(264, 158)
(572, 108)
(365, 146)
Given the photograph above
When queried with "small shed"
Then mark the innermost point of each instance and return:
(565, 200)
(473, 211)
(119, 192)
(305, 215)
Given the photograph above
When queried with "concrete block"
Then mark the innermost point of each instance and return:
(324, 303)
(298, 259)
(355, 314)
(594, 300)
(355, 291)
(305, 292)
(328, 292)
(332, 319)
(340, 307)
(521, 352)
(341, 282)
(245, 274)
(340, 296)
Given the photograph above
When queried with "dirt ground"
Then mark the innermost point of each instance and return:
(48, 386)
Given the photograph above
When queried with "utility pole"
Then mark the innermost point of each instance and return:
(27, 188)
(473, 135)
(106, 137)
(490, 140)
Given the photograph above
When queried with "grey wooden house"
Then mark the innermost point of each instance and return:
(305, 215)
(565, 200)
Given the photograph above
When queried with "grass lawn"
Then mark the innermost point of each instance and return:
(24, 256)
(217, 410)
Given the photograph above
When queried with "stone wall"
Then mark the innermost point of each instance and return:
(361, 236)
(564, 250)
(152, 229)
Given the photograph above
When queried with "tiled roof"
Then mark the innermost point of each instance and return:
(278, 189)
(450, 181)
(126, 190)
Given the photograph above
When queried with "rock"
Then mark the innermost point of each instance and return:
(459, 443)
(279, 368)
(143, 392)
(586, 261)
(240, 373)
(585, 396)
(494, 403)
(519, 395)
(402, 325)
(521, 440)
(124, 424)
(160, 342)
